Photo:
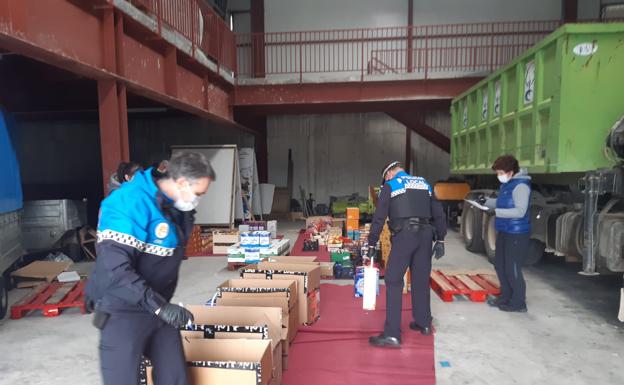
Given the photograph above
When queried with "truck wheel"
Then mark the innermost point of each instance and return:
(4, 297)
(535, 252)
(489, 235)
(471, 226)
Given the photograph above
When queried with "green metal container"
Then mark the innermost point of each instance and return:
(551, 108)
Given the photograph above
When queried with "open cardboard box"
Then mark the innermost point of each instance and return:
(264, 293)
(290, 317)
(236, 322)
(308, 279)
(292, 259)
(327, 268)
(237, 288)
(224, 361)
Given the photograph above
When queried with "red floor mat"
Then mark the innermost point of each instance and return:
(297, 250)
(335, 350)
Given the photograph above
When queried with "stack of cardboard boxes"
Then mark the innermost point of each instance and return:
(245, 337)
(353, 223)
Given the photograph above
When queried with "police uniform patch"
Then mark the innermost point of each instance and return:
(162, 230)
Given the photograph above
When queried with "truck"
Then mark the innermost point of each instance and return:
(559, 109)
(11, 202)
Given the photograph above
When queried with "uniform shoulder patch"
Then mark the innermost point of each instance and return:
(162, 230)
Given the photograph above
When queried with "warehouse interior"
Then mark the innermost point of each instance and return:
(299, 106)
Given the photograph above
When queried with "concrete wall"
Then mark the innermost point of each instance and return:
(340, 154)
(297, 15)
(152, 138)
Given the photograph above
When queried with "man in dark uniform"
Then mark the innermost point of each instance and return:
(416, 219)
(142, 231)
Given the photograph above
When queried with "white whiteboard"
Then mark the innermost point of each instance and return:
(223, 201)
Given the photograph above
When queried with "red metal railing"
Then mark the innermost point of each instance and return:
(432, 50)
(197, 22)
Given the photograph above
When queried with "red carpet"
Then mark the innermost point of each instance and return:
(335, 350)
(297, 250)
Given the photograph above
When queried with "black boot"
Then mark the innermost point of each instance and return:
(424, 330)
(513, 309)
(385, 342)
(496, 302)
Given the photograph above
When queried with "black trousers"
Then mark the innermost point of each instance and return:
(511, 250)
(127, 337)
(410, 249)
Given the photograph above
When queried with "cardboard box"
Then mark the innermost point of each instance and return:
(39, 272)
(290, 316)
(308, 278)
(292, 259)
(281, 289)
(236, 322)
(327, 269)
(353, 224)
(353, 213)
(278, 365)
(218, 362)
(225, 237)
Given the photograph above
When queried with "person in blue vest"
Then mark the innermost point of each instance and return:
(514, 227)
(142, 232)
(416, 220)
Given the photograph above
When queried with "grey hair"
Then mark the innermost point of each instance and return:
(190, 165)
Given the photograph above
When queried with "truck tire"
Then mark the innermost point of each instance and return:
(535, 252)
(489, 236)
(471, 228)
(4, 297)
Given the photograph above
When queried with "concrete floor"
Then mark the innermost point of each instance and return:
(570, 335)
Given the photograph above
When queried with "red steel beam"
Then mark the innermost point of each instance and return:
(70, 35)
(415, 123)
(257, 42)
(344, 108)
(408, 149)
(373, 91)
(110, 131)
(410, 36)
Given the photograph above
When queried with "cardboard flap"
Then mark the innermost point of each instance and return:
(42, 270)
(254, 301)
(236, 350)
(259, 288)
(241, 316)
(313, 272)
(237, 361)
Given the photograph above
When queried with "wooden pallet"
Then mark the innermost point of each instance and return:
(51, 298)
(477, 286)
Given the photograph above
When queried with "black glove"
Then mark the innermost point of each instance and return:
(490, 211)
(438, 249)
(175, 315)
(89, 305)
(481, 199)
(372, 253)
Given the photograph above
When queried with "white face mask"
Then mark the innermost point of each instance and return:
(186, 205)
(504, 178)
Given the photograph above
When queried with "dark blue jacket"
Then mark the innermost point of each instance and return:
(520, 225)
(140, 245)
(392, 203)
